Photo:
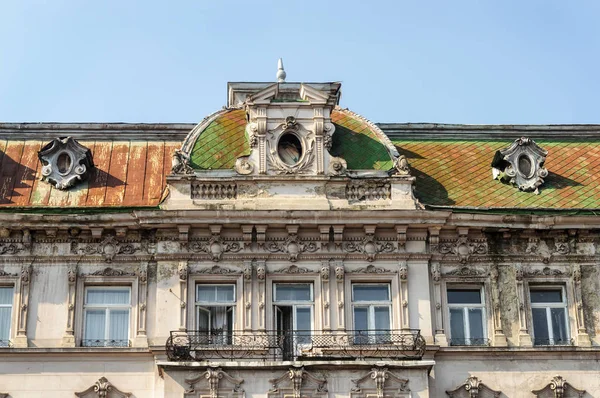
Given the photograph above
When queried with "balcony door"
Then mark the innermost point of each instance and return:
(293, 316)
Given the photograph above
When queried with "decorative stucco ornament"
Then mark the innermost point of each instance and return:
(65, 162)
(521, 164)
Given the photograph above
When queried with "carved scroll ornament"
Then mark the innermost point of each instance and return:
(103, 389)
(559, 386)
(472, 388)
(65, 162)
(521, 164)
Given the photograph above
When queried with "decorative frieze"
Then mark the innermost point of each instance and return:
(370, 246)
(215, 246)
(213, 191)
(108, 248)
(466, 272)
(7, 248)
(292, 246)
(464, 248)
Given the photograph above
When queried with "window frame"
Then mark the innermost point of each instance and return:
(295, 304)
(12, 282)
(107, 308)
(465, 309)
(194, 279)
(392, 278)
(207, 304)
(564, 304)
(85, 281)
(371, 304)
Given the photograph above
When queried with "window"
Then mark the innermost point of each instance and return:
(293, 315)
(106, 316)
(467, 317)
(215, 306)
(371, 306)
(6, 300)
(549, 315)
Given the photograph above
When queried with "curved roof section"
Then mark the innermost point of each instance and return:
(458, 174)
(221, 139)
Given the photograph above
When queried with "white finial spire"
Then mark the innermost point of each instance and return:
(280, 72)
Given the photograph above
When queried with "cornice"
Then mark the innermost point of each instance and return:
(416, 131)
(96, 131)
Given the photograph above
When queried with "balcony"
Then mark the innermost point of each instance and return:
(105, 343)
(195, 345)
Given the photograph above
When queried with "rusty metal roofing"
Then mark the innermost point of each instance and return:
(458, 173)
(128, 173)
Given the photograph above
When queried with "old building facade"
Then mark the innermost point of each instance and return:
(285, 246)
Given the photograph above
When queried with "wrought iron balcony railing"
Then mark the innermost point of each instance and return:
(196, 345)
(104, 343)
(543, 342)
(476, 342)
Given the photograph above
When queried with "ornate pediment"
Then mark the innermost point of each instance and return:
(473, 388)
(103, 389)
(213, 378)
(65, 162)
(298, 383)
(558, 388)
(521, 164)
(383, 383)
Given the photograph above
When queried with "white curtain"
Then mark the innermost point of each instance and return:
(108, 296)
(119, 325)
(95, 324)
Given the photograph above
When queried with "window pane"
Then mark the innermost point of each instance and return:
(546, 296)
(540, 325)
(371, 292)
(107, 296)
(6, 295)
(303, 319)
(205, 293)
(457, 326)
(220, 318)
(119, 325)
(476, 325)
(382, 318)
(361, 318)
(225, 293)
(95, 324)
(464, 296)
(559, 325)
(203, 319)
(5, 323)
(292, 292)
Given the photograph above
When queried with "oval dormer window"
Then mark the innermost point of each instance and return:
(63, 163)
(525, 165)
(289, 149)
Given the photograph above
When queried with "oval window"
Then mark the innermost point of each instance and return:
(289, 149)
(63, 163)
(525, 165)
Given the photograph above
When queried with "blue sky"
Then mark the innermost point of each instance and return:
(509, 61)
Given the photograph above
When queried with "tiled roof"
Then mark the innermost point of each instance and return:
(224, 140)
(458, 173)
(127, 174)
